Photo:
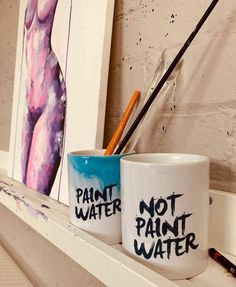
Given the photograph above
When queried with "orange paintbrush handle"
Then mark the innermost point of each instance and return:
(119, 130)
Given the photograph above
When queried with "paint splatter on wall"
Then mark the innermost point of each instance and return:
(197, 119)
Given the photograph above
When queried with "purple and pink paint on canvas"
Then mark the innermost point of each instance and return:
(44, 116)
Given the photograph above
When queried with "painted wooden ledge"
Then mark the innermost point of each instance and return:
(51, 220)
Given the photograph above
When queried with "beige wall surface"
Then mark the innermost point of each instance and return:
(8, 35)
(201, 117)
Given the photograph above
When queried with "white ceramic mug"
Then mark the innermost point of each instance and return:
(94, 193)
(165, 204)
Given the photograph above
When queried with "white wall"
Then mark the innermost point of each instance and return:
(8, 35)
(203, 120)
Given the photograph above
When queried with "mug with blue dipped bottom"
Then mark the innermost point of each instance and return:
(94, 193)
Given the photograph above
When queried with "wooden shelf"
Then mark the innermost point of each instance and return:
(51, 220)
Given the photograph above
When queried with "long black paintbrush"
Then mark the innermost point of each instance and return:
(165, 77)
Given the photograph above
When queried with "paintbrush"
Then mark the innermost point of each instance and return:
(166, 92)
(120, 128)
(165, 77)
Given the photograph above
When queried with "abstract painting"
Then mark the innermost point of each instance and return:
(61, 73)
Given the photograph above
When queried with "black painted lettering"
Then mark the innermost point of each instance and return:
(149, 228)
(159, 249)
(167, 227)
(149, 208)
(80, 215)
(88, 195)
(168, 243)
(190, 238)
(100, 195)
(92, 212)
(161, 206)
(140, 223)
(116, 205)
(79, 192)
(109, 190)
(182, 219)
(179, 247)
(158, 226)
(172, 199)
(108, 209)
(141, 250)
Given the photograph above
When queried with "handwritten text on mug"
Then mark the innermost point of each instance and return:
(171, 237)
(100, 203)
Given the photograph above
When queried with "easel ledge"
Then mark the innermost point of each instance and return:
(50, 219)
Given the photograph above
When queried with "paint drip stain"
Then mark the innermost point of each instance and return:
(1, 181)
(45, 206)
(4, 189)
(20, 202)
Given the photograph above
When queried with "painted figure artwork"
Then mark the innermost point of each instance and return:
(61, 73)
(44, 115)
